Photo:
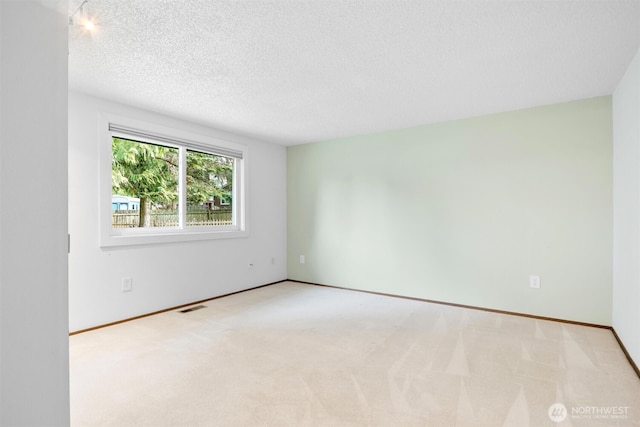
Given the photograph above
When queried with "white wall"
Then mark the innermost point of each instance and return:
(165, 275)
(626, 202)
(464, 211)
(34, 354)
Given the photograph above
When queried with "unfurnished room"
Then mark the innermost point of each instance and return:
(319, 213)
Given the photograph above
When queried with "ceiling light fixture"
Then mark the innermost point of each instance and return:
(89, 25)
(83, 20)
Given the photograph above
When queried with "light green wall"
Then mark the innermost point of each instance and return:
(626, 209)
(464, 211)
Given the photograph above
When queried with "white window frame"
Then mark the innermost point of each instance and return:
(170, 137)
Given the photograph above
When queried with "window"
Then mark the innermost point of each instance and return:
(163, 185)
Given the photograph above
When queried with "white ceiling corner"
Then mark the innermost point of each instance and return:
(293, 72)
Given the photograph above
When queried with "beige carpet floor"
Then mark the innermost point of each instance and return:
(292, 354)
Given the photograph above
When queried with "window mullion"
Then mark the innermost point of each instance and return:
(182, 188)
(235, 198)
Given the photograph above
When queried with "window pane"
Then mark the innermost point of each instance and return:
(209, 189)
(144, 184)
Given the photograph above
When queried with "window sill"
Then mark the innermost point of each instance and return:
(133, 238)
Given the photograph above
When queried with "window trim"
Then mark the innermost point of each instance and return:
(159, 134)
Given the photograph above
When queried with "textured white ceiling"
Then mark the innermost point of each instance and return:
(293, 72)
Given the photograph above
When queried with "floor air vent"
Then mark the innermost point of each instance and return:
(197, 307)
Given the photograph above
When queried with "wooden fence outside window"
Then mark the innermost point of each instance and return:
(169, 218)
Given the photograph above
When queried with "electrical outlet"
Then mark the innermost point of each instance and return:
(127, 284)
(273, 260)
(534, 282)
(302, 259)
